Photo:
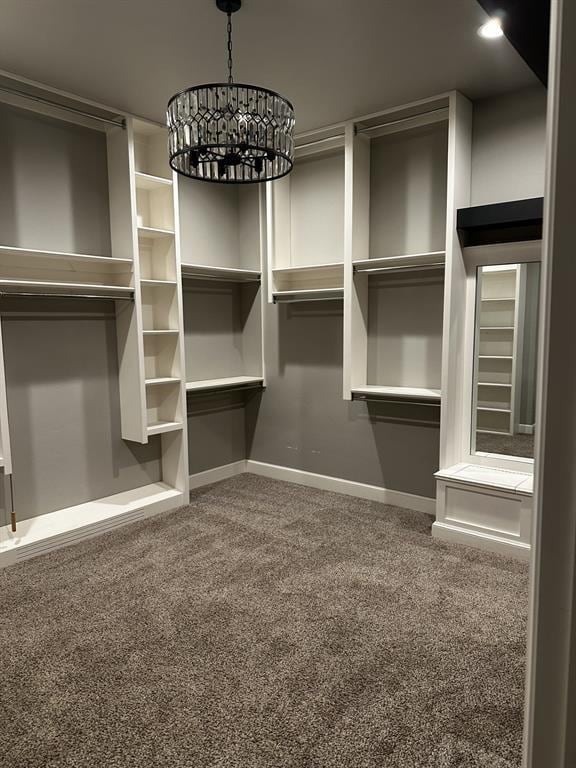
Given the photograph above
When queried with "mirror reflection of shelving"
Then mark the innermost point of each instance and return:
(399, 171)
(506, 333)
(307, 222)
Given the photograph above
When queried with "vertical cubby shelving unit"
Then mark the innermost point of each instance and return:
(306, 221)
(396, 252)
(141, 273)
(222, 256)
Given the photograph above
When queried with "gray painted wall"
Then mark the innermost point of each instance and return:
(64, 407)
(301, 420)
(508, 147)
(54, 184)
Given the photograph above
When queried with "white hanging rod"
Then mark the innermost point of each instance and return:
(296, 299)
(417, 116)
(119, 123)
(62, 295)
(220, 278)
(385, 399)
(403, 268)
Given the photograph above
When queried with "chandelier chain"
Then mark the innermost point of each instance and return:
(229, 29)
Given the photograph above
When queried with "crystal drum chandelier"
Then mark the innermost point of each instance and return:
(230, 133)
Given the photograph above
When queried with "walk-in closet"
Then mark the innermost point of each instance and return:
(280, 445)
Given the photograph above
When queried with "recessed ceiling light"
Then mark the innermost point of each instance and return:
(491, 30)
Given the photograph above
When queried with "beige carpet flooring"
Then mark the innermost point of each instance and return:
(266, 625)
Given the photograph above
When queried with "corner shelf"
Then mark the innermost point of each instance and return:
(207, 272)
(228, 382)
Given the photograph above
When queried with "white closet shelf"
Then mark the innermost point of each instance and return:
(495, 357)
(497, 328)
(492, 432)
(147, 181)
(74, 261)
(333, 265)
(493, 384)
(310, 294)
(162, 380)
(159, 427)
(163, 332)
(491, 477)
(147, 281)
(404, 393)
(220, 273)
(397, 263)
(493, 410)
(499, 298)
(153, 233)
(37, 286)
(227, 382)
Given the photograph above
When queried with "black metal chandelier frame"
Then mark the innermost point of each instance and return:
(228, 132)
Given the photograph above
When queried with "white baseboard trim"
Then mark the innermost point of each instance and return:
(339, 485)
(54, 530)
(216, 474)
(480, 540)
(526, 429)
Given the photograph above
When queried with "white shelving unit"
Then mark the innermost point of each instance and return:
(397, 248)
(306, 221)
(222, 231)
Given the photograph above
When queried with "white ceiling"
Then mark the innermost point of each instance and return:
(332, 58)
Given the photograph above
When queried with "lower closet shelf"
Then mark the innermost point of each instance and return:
(398, 393)
(159, 427)
(42, 534)
(227, 382)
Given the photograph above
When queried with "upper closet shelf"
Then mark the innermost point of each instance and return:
(147, 181)
(313, 294)
(206, 272)
(51, 288)
(334, 265)
(373, 391)
(30, 258)
(429, 260)
(227, 382)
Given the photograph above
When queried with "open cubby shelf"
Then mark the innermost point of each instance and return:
(149, 182)
(154, 233)
(306, 226)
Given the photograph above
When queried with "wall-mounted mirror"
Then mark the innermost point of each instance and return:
(504, 395)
